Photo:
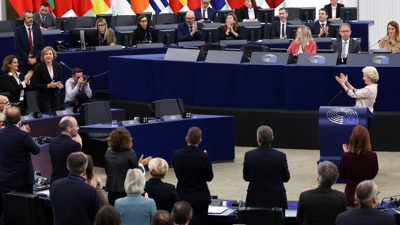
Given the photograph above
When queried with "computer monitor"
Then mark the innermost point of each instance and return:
(307, 14)
(348, 13)
(291, 31)
(266, 15)
(95, 112)
(107, 17)
(167, 107)
(166, 37)
(125, 38)
(180, 16)
(252, 33)
(210, 34)
(334, 31)
(64, 23)
(91, 37)
(294, 13)
(222, 14)
(148, 14)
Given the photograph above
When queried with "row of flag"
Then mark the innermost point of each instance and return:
(120, 7)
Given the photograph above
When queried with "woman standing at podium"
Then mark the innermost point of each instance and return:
(391, 42)
(365, 97)
(358, 162)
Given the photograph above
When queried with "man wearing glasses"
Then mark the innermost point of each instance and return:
(204, 13)
(189, 30)
(345, 45)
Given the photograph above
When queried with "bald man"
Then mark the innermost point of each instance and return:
(62, 146)
(189, 30)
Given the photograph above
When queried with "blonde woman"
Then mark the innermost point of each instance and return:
(391, 42)
(304, 43)
(106, 35)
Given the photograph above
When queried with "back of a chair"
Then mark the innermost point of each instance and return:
(23, 208)
(7, 26)
(260, 216)
(248, 49)
(164, 18)
(206, 47)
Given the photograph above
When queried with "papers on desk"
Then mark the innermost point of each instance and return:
(216, 209)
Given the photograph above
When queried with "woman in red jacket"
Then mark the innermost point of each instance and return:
(303, 43)
(358, 162)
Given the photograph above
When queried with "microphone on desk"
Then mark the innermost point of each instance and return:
(370, 46)
(393, 201)
(153, 112)
(335, 97)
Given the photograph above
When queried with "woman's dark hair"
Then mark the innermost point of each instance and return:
(120, 140)
(7, 61)
(141, 16)
(89, 168)
(254, 4)
(235, 26)
(107, 215)
(359, 141)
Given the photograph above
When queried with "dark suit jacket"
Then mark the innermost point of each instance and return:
(222, 34)
(354, 46)
(276, 29)
(163, 194)
(365, 215)
(243, 13)
(212, 14)
(266, 169)
(41, 77)
(15, 157)
(9, 84)
(139, 33)
(21, 43)
(184, 35)
(60, 148)
(329, 9)
(320, 206)
(50, 20)
(316, 27)
(193, 170)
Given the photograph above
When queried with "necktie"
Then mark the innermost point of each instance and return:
(322, 25)
(344, 53)
(204, 13)
(190, 29)
(30, 41)
(43, 21)
(283, 30)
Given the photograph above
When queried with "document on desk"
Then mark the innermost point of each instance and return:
(216, 209)
(43, 192)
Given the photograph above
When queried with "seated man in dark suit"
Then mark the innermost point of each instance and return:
(320, 27)
(44, 18)
(189, 30)
(63, 145)
(333, 9)
(345, 45)
(278, 28)
(205, 12)
(322, 205)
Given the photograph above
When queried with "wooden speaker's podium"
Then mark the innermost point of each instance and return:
(335, 125)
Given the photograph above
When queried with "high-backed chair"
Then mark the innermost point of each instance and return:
(260, 216)
(248, 49)
(164, 18)
(206, 47)
(7, 26)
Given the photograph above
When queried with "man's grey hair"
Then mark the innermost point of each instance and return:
(327, 173)
(265, 135)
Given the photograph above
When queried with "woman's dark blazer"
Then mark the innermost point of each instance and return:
(243, 13)
(9, 84)
(138, 35)
(223, 36)
(41, 77)
(164, 194)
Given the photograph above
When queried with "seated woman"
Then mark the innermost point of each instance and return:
(144, 33)
(15, 82)
(230, 29)
(391, 42)
(304, 43)
(366, 200)
(164, 194)
(248, 12)
(134, 208)
(47, 81)
(106, 35)
(96, 183)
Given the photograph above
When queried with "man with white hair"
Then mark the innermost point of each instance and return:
(266, 170)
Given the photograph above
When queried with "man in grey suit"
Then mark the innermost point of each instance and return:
(323, 204)
(345, 45)
(44, 19)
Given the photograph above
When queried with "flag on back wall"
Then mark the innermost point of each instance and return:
(218, 4)
(274, 3)
(61, 7)
(139, 6)
(158, 5)
(193, 4)
(177, 5)
(21, 5)
(100, 6)
(81, 7)
(120, 6)
(235, 3)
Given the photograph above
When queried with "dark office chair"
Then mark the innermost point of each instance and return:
(7, 26)
(23, 208)
(164, 18)
(125, 20)
(249, 49)
(85, 22)
(260, 216)
(205, 48)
